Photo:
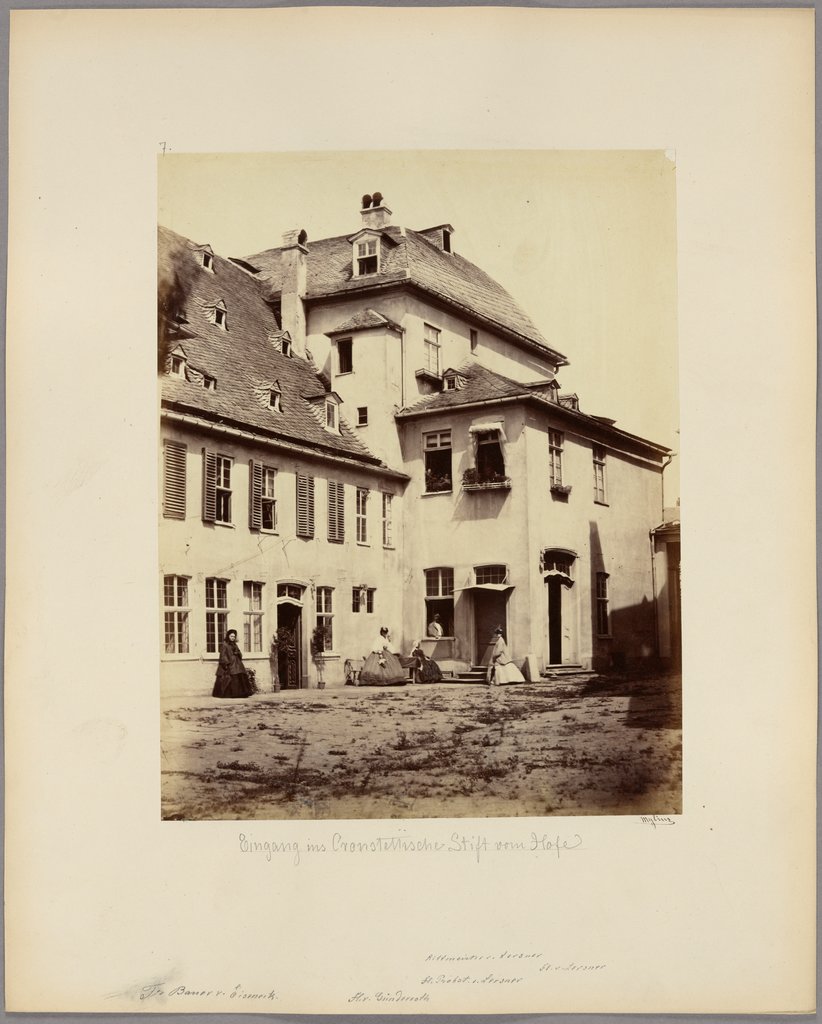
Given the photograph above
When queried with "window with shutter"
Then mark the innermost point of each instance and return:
(209, 486)
(255, 495)
(174, 480)
(305, 505)
(336, 511)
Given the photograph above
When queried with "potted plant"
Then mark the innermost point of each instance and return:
(320, 639)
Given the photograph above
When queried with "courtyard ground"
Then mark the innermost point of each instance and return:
(607, 746)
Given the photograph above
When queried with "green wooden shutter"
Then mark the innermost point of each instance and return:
(305, 505)
(209, 486)
(341, 511)
(174, 480)
(255, 495)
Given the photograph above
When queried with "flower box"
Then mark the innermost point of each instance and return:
(561, 490)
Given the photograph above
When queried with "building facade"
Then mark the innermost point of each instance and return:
(367, 430)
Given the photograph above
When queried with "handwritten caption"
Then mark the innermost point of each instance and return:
(477, 846)
(161, 992)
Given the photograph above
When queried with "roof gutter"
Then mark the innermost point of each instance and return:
(543, 406)
(187, 419)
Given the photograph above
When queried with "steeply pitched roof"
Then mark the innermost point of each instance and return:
(242, 359)
(364, 319)
(482, 386)
(408, 256)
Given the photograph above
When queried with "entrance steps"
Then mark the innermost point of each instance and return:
(475, 674)
(569, 674)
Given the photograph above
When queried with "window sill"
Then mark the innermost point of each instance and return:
(363, 544)
(344, 373)
(604, 504)
(388, 547)
(336, 540)
(434, 494)
(226, 526)
(270, 533)
(327, 656)
(489, 485)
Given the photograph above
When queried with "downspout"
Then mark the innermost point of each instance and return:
(665, 465)
(656, 600)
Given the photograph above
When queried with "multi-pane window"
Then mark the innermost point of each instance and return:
(362, 599)
(262, 503)
(439, 598)
(216, 487)
(345, 355)
(491, 573)
(331, 416)
(275, 399)
(216, 613)
(253, 618)
(387, 520)
(305, 505)
(325, 617)
(555, 444)
(558, 561)
(362, 515)
(178, 366)
(174, 480)
(437, 453)
(362, 415)
(336, 511)
(490, 460)
(175, 600)
(223, 489)
(431, 349)
(268, 499)
(367, 257)
(599, 473)
(603, 626)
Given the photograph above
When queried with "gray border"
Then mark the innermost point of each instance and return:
(250, 1018)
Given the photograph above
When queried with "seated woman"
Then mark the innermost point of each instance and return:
(382, 667)
(501, 670)
(427, 670)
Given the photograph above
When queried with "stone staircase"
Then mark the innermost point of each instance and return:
(475, 674)
(571, 674)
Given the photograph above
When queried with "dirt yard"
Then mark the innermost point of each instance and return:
(444, 750)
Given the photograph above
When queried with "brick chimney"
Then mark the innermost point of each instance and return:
(294, 252)
(375, 214)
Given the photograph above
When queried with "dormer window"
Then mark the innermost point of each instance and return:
(178, 366)
(221, 317)
(208, 260)
(286, 347)
(209, 383)
(331, 420)
(368, 256)
(275, 400)
(205, 257)
(446, 240)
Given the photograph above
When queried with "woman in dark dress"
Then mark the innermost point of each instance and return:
(232, 679)
(427, 670)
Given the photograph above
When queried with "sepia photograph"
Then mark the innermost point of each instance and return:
(420, 529)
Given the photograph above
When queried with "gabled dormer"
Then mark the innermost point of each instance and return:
(366, 252)
(177, 362)
(281, 341)
(453, 381)
(217, 314)
(204, 255)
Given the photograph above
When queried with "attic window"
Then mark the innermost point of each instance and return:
(221, 317)
(446, 240)
(209, 383)
(286, 347)
(207, 260)
(275, 400)
(178, 366)
(368, 257)
(331, 421)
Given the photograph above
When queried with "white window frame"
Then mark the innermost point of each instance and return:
(223, 465)
(600, 480)
(387, 520)
(603, 619)
(253, 617)
(332, 417)
(556, 447)
(325, 613)
(275, 400)
(366, 249)
(443, 590)
(431, 348)
(362, 515)
(176, 613)
(216, 589)
(349, 342)
(207, 260)
(362, 415)
(268, 499)
(433, 441)
(178, 366)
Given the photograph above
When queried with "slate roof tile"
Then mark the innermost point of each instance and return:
(242, 359)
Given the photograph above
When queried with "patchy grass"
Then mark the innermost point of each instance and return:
(444, 751)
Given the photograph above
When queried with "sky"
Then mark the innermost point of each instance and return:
(585, 241)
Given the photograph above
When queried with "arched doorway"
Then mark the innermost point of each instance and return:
(290, 635)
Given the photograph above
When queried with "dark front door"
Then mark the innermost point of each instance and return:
(554, 621)
(489, 614)
(289, 636)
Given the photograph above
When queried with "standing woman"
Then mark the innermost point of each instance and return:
(232, 679)
(382, 667)
(501, 669)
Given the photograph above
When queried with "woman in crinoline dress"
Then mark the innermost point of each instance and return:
(382, 667)
(501, 669)
(427, 670)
